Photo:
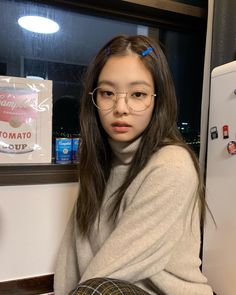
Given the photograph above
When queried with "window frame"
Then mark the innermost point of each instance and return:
(163, 14)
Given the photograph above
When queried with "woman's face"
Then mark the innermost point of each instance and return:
(125, 74)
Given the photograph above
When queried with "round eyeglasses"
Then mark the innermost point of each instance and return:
(105, 98)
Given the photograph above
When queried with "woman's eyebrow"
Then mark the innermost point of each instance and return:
(106, 82)
(138, 82)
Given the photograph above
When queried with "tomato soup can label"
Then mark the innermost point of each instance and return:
(63, 150)
(18, 121)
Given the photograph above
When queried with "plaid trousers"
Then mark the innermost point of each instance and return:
(107, 286)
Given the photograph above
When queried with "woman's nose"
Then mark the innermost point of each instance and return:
(121, 106)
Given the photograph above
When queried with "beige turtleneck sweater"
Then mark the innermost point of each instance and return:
(156, 240)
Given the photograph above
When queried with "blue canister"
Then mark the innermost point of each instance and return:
(63, 150)
(75, 149)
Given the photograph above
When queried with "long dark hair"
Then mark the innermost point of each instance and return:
(95, 165)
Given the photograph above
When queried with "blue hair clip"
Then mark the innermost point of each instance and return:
(145, 52)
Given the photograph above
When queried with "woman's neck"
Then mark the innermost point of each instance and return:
(124, 151)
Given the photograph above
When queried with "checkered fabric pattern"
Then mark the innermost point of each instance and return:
(107, 286)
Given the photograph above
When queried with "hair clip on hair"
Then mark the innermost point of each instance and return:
(145, 52)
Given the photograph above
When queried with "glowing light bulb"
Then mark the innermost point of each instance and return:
(38, 24)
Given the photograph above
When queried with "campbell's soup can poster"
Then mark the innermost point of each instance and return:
(18, 119)
(25, 122)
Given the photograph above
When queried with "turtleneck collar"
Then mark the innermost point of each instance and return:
(124, 151)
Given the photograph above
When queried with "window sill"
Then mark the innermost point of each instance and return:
(13, 174)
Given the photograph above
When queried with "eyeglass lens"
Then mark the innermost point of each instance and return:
(137, 99)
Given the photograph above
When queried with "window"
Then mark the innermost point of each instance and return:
(63, 57)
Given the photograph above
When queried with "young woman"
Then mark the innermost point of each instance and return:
(136, 223)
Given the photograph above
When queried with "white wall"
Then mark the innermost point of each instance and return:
(32, 222)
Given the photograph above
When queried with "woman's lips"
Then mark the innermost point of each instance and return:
(120, 127)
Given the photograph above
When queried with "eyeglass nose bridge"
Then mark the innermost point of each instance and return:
(121, 92)
(117, 94)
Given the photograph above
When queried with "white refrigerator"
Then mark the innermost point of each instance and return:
(219, 242)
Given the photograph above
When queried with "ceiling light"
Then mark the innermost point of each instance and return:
(38, 24)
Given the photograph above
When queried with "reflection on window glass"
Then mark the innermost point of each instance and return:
(63, 57)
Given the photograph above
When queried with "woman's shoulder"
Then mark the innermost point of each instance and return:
(170, 151)
(173, 157)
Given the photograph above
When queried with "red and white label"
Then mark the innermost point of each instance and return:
(18, 114)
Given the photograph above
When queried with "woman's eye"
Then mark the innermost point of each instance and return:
(106, 93)
(138, 94)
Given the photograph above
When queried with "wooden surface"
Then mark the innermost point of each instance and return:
(29, 286)
(172, 6)
(38, 174)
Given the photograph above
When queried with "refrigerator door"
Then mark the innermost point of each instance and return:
(219, 247)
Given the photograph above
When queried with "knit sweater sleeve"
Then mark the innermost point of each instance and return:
(67, 269)
(153, 221)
